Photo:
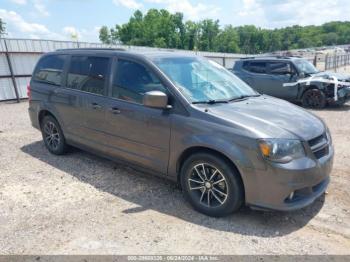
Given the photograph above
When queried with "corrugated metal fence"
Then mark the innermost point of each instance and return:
(19, 56)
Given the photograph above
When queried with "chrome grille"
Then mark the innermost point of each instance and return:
(319, 146)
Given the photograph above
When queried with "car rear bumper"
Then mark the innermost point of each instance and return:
(33, 115)
(287, 189)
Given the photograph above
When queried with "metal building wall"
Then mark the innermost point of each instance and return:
(23, 54)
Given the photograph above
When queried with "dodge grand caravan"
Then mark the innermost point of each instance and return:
(185, 118)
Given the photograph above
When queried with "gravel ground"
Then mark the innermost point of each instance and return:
(83, 204)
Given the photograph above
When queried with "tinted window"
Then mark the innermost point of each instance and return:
(88, 74)
(133, 80)
(49, 70)
(246, 65)
(279, 68)
(257, 67)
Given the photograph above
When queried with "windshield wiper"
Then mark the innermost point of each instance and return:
(210, 102)
(213, 101)
(242, 97)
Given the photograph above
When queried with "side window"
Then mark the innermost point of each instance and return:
(279, 68)
(49, 70)
(132, 80)
(88, 74)
(246, 65)
(257, 67)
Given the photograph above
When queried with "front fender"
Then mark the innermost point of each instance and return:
(241, 151)
(310, 85)
(225, 146)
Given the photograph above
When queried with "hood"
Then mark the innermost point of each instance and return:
(269, 117)
(327, 75)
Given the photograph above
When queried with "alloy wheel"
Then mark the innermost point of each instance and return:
(313, 99)
(52, 136)
(208, 185)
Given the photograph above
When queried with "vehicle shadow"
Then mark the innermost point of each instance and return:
(161, 195)
(345, 107)
(342, 108)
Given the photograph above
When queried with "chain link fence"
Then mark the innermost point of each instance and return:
(333, 62)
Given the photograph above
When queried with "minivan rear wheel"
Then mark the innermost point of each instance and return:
(211, 185)
(53, 136)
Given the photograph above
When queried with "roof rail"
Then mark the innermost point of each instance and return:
(92, 49)
(247, 57)
(271, 56)
(281, 56)
(288, 56)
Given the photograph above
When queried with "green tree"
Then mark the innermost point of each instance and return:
(159, 28)
(330, 38)
(208, 31)
(227, 40)
(191, 36)
(105, 35)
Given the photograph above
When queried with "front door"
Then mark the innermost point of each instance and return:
(137, 133)
(282, 74)
(256, 75)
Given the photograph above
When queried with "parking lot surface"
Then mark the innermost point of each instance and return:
(83, 204)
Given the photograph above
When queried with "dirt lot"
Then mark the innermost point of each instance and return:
(83, 204)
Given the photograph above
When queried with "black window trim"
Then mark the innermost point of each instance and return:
(108, 74)
(65, 63)
(114, 67)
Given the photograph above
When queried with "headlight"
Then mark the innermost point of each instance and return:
(281, 150)
(343, 86)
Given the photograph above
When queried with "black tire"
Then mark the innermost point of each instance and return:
(232, 186)
(53, 137)
(314, 98)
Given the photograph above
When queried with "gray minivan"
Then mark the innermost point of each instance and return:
(185, 118)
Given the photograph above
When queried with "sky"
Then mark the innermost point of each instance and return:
(60, 19)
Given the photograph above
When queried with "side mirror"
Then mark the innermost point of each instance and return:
(288, 71)
(155, 99)
(302, 75)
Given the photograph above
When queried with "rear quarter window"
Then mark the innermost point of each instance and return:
(50, 70)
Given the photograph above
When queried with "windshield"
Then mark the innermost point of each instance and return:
(202, 80)
(305, 66)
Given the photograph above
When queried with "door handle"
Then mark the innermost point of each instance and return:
(96, 106)
(115, 110)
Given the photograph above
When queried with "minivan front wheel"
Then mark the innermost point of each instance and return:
(314, 98)
(211, 185)
(53, 136)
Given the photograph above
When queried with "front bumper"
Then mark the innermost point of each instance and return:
(343, 96)
(307, 179)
